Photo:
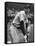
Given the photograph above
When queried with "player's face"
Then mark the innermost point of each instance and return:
(26, 20)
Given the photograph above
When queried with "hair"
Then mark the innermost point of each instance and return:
(22, 27)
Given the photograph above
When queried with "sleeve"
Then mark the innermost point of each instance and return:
(16, 19)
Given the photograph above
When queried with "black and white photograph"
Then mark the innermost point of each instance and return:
(19, 22)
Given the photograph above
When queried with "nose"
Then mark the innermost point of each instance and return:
(27, 20)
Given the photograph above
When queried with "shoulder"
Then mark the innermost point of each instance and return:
(30, 27)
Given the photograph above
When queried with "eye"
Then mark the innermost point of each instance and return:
(25, 19)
